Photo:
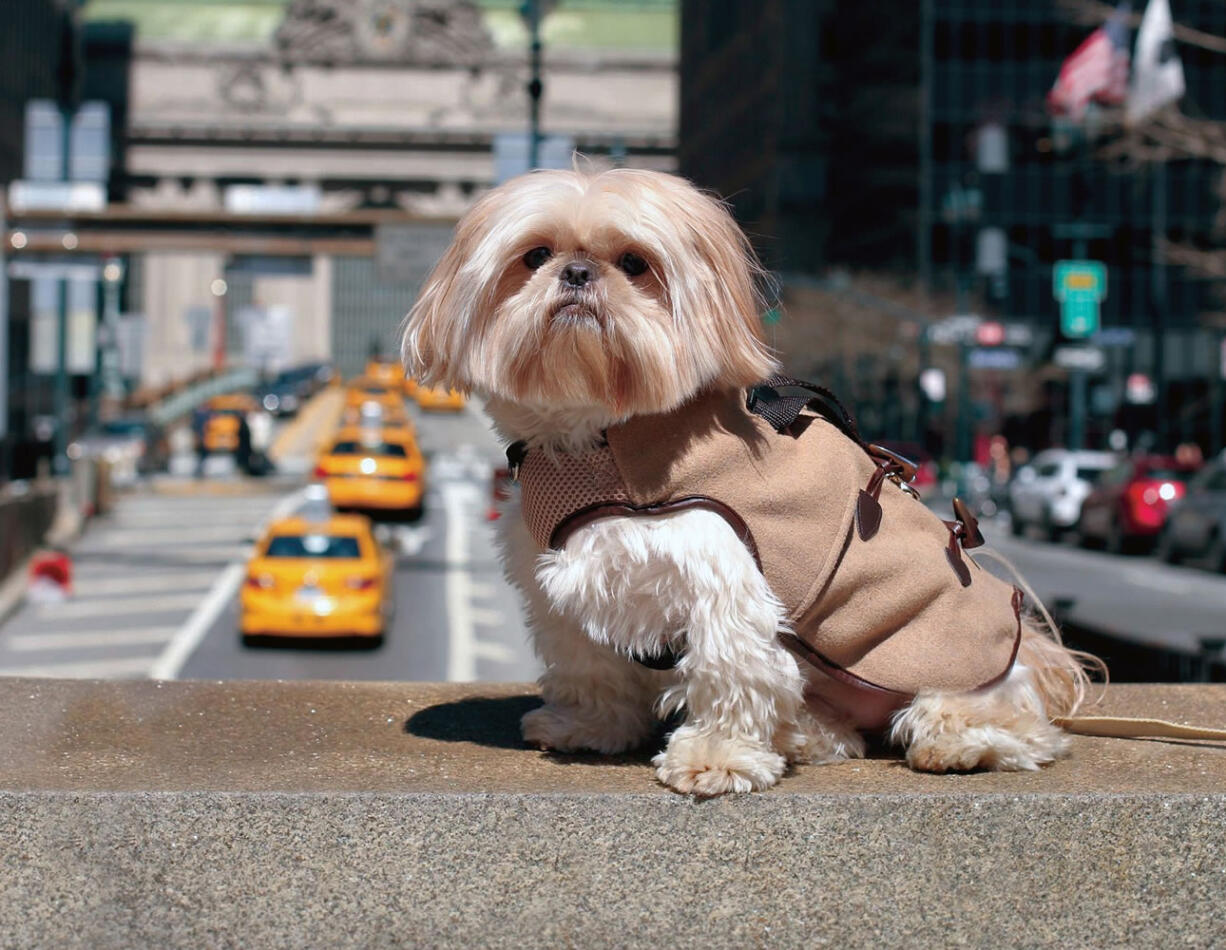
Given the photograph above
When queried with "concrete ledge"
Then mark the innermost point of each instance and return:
(331, 814)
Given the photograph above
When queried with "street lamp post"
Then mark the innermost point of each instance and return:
(218, 288)
(68, 77)
(110, 383)
(532, 13)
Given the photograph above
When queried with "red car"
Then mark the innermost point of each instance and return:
(1129, 503)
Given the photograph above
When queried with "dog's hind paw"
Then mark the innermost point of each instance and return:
(705, 765)
(563, 729)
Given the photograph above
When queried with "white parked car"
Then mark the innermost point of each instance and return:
(1049, 491)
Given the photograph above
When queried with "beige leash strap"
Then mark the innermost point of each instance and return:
(1116, 727)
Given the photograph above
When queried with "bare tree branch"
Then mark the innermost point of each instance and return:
(1091, 12)
(1200, 262)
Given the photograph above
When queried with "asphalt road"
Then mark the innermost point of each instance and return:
(1134, 597)
(455, 617)
(157, 582)
(156, 591)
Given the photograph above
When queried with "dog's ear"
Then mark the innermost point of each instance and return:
(721, 302)
(431, 328)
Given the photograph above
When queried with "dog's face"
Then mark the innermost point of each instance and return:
(625, 290)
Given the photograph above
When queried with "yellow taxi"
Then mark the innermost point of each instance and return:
(308, 578)
(429, 397)
(374, 469)
(221, 423)
(363, 389)
(410, 387)
(387, 372)
(376, 414)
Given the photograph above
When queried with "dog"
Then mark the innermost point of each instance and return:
(593, 310)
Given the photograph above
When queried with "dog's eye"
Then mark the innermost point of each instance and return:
(537, 256)
(632, 264)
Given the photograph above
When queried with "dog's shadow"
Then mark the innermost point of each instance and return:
(493, 721)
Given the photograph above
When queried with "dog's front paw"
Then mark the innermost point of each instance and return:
(705, 764)
(566, 729)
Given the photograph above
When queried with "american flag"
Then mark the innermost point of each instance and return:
(1097, 70)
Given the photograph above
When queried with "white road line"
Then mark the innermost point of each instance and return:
(487, 616)
(411, 540)
(1157, 581)
(112, 606)
(86, 639)
(192, 632)
(205, 615)
(237, 524)
(461, 651)
(482, 591)
(497, 652)
(286, 506)
(130, 667)
(168, 535)
(218, 504)
(172, 554)
(142, 583)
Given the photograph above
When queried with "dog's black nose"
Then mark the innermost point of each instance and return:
(577, 274)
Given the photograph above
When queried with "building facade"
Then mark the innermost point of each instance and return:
(919, 144)
(299, 164)
(399, 110)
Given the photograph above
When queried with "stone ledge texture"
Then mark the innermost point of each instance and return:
(248, 814)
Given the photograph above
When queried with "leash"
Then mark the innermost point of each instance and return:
(1120, 727)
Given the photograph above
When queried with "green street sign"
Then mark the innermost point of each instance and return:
(1079, 286)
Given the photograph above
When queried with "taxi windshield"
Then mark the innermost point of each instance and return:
(390, 449)
(313, 545)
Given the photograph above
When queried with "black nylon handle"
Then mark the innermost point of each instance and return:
(781, 411)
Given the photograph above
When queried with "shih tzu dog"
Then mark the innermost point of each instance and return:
(691, 540)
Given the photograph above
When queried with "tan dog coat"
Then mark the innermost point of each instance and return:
(883, 611)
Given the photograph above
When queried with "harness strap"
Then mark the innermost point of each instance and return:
(781, 411)
(1120, 727)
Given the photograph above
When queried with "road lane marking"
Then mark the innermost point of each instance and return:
(487, 616)
(111, 606)
(1168, 585)
(461, 649)
(164, 555)
(86, 639)
(496, 652)
(411, 540)
(193, 631)
(188, 637)
(168, 535)
(131, 667)
(142, 583)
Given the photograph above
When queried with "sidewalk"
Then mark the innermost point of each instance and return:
(182, 814)
(308, 430)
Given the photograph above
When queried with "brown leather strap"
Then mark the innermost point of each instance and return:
(1119, 727)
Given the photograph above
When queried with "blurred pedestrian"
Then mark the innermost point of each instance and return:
(242, 452)
(259, 424)
(200, 421)
(1189, 454)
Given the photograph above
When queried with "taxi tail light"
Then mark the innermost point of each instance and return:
(320, 472)
(409, 476)
(360, 583)
(261, 581)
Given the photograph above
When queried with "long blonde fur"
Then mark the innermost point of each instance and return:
(559, 360)
(485, 322)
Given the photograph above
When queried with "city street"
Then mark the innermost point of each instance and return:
(156, 583)
(155, 591)
(1136, 598)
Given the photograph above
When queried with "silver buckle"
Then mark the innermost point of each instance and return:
(905, 486)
